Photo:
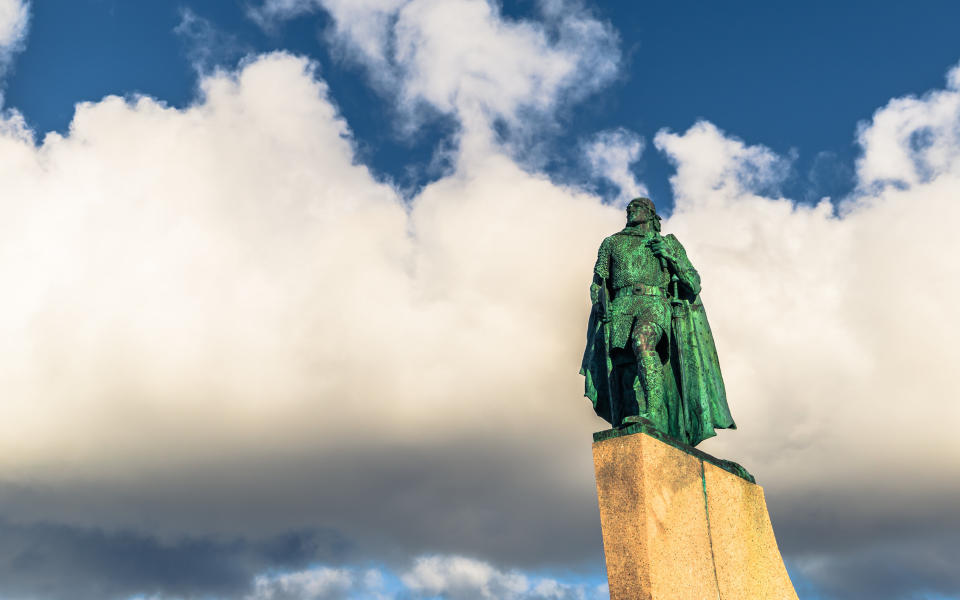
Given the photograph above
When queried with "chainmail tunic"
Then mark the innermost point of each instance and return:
(625, 261)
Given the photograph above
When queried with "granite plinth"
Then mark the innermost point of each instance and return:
(681, 525)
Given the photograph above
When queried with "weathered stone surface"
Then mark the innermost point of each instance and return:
(655, 534)
(745, 551)
(677, 528)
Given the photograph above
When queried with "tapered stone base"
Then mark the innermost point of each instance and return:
(676, 526)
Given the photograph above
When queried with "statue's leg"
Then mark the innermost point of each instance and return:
(646, 336)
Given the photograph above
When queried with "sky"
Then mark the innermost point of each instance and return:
(295, 291)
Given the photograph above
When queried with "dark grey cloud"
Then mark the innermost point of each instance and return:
(59, 562)
(473, 495)
(917, 567)
(858, 544)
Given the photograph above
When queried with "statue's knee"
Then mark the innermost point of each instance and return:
(646, 342)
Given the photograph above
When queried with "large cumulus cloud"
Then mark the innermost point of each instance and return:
(219, 325)
(215, 304)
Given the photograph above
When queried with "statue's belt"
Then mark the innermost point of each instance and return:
(640, 290)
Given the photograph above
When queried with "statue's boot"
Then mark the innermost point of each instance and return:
(652, 370)
(653, 410)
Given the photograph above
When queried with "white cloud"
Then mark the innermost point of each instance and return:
(460, 578)
(14, 23)
(271, 11)
(206, 45)
(14, 17)
(429, 577)
(321, 583)
(463, 58)
(913, 140)
(362, 27)
(610, 154)
(714, 168)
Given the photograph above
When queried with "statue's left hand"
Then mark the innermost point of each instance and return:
(661, 250)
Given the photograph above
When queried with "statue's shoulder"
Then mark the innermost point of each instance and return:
(611, 240)
(606, 245)
(620, 236)
(672, 241)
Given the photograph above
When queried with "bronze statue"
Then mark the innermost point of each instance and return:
(650, 356)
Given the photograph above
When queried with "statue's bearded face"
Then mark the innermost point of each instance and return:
(640, 212)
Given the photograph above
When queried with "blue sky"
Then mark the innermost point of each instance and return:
(796, 78)
(299, 314)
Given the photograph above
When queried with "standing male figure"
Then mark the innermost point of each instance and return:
(650, 355)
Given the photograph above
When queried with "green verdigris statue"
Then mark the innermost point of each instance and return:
(650, 355)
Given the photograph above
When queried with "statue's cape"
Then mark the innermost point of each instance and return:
(697, 384)
(692, 379)
(597, 367)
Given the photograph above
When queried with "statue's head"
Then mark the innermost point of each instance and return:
(642, 210)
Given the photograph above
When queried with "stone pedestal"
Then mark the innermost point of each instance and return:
(679, 524)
